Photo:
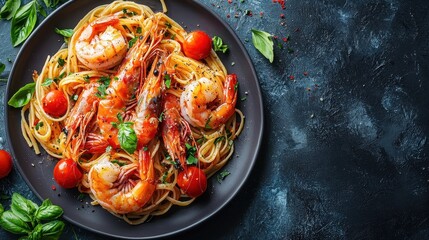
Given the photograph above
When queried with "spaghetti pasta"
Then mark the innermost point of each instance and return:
(127, 126)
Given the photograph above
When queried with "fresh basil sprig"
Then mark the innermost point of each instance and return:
(126, 135)
(26, 217)
(218, 45)
(22, 96)
(9, 9)
(263, 41)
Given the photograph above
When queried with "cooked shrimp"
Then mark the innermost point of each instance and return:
(174, 129)
(146, 118)
(205, 103)
(102, 43)
(121, 189)
(80, 116)
(122, 90)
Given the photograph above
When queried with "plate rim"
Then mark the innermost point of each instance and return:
(229, 198)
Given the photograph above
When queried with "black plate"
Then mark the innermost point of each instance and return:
(44, 42)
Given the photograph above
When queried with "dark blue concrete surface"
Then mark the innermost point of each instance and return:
(345, 153)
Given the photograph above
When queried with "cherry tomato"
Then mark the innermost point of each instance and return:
(192, 181)
(55, 103)
(67, 173)
(5, 163)
(197, 45)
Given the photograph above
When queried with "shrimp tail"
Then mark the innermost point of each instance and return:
(144, 192)
(227, 108)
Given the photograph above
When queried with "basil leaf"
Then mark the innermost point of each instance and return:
(127, 137)
(40, 9)
(36, 234)
(1, 209)
(51, 3)
(52, 230)
(12, 223)
(47, 211)
(264, 43)
(218, 45)
(65, 32)
(9, 9)
(23, 208)
(22, 96)
(23, 23)
(2, 67)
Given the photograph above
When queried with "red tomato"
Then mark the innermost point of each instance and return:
(55, 103)
(5, 163)
(197, 45)
(192, 181)
(67, 173)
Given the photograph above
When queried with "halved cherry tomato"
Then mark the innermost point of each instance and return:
(67, 173)
(197, 45)
(5, 163)
(55, 103)
(192, 181)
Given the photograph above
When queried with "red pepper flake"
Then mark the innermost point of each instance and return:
(281, 2)
(282, 15)
(53, 188)
(292, 77)
(275, 36)
(305, 73)
(248, 12)
(230, 1)
(285, 39)
(261, 14)
(228, 16)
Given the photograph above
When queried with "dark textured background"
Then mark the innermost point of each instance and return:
(345, 153)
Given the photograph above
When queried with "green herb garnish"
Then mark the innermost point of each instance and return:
(218, 45)
(26, 218)
(264, 43)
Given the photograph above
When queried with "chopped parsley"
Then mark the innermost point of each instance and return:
(47, 82)
(167, 81)
(219, 139)
(104, 84)
(190, 154)
(222, 175)
(61, 62)
(132, 42)
(39, 125)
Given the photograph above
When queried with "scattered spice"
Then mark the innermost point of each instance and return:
(281, 2)
(54, 188)
(282, 15)
(305, 73)
(248, 12)
(261, 14)
(292, 77)
(230, 1)
(228, 16)
(285, 39)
